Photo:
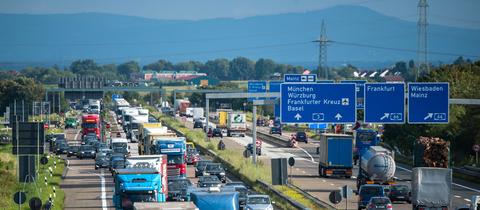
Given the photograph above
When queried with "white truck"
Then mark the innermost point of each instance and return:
(236, 124)
(431, 188)
(198, 113)
(126, 115)
(135, 121)
(94, 106)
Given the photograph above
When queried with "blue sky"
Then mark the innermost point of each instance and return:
(460, 13)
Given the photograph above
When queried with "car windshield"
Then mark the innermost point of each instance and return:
(213, 167)
(175, 159)
(119, 150)
(366, 137)
(370, 191)
(134, 125)
(401, 188)
(89, 125)
(178, 184)
(301, 134)
(74, 148)
(210, 179)
(86, 147)
(119, 145)
(258, 200)
(200, 164)
(380, 201)
(59, 136)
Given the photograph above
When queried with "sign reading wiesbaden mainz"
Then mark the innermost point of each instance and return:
(428, 103)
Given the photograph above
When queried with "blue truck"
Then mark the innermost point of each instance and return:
(335, 155)
(176, 150)
(364, 139)
(214, 199)
(137, 185)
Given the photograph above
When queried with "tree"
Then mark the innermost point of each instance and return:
(160, 65)
(127, 68)
(241, 68)
(264, 68)
(79, 66)
(21, 88)
(218, 68)
(190, 66)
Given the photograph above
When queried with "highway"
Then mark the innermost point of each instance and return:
(87, 188)
(305, 172)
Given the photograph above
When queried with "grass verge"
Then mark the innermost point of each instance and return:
(10, 184)
(241, 166)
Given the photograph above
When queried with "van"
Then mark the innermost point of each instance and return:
(368, 191)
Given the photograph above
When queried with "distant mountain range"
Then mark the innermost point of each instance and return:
(285, 38)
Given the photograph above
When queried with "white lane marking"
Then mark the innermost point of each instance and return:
(458, 185)
(311, 158)
(76, 135)
(456, 196)
(331, 184)
(104, 194)
(468, 200)
(304, 172)
(354, 177)
(102, 185)
(323, 180)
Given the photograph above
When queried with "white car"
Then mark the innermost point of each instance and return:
(258, 202)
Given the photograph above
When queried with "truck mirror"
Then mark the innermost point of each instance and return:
(318, 150)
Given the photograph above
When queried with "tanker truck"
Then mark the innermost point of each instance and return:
(377, 166)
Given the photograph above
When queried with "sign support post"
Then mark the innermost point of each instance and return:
(254, 134)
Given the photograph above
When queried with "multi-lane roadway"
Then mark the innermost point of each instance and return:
(305, 172)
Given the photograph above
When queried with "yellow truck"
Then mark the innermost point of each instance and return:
(222, 117)
(149, 136)
(141, 128)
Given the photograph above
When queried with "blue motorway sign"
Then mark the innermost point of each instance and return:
(384, 103)
(325, 81)
(116, 96)
(360, 85)
(300, 78)
(317, 103)
(275, 88)
(256, 87)
(428, 103)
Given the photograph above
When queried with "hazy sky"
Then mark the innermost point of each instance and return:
(461, 13)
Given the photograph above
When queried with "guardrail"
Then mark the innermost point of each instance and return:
(269, 138)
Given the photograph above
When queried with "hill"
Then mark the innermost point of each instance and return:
(286, 38)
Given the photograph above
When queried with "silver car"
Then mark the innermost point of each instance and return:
(258, 202)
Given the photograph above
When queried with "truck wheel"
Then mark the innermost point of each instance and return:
(321, 172)
(348, 177)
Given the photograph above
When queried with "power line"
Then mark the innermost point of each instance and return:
(400, 49)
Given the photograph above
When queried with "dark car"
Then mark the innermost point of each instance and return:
(276, 130)
(249, 148)
(217, 132)
(209, 181)
(242, 192)
(200, 166)
(102, 161)
(399, 193)
(260, 122)
(73, 150)
(192, 156)
(198, 124)
(62, 149)
(116, 162)
(215, 169)
(379, 203)
(86, 151)
(101, 146)
(301, 136)
(152, 119)
(368, 191)
(179, 189)
(120, 150)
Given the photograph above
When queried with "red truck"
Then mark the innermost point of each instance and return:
(91, 124)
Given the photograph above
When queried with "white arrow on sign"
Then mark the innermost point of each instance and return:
(430, 115)
(338, 116)
(298, 116)
(385, 116)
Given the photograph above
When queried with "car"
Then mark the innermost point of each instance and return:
(73, 150)
(179, 189)
(276, 130)
(62, 149)
(217, 132)
(258, 149)
(377, 203)
(116, 162)
(368, 191)
(100, 146)
(58, 143)
(198, 124)
(215, 169)
(301, 136)
(152, 119)
(192, 156)
(399, 193)
(209, 181)
(200, 166)
(258, 202)
(102, 160)
(260, 122)
(190, 145)
(242, 192)
(86, 151)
